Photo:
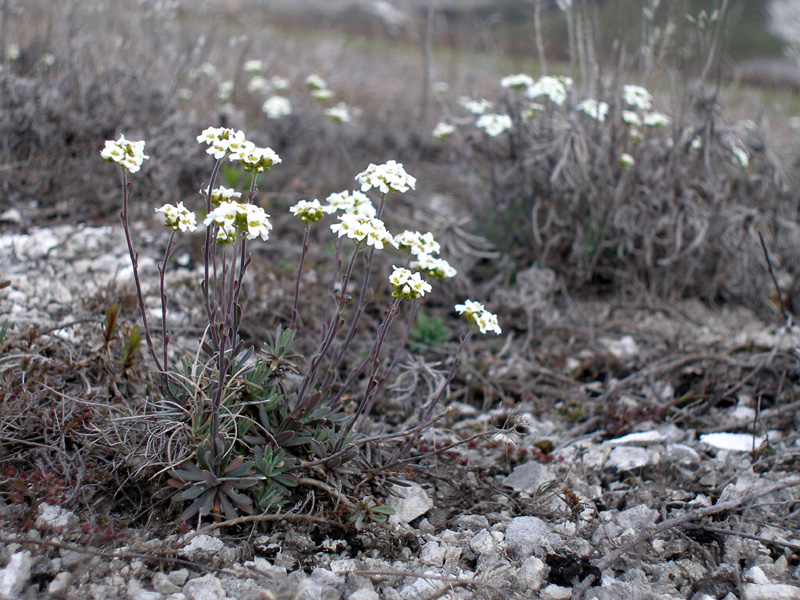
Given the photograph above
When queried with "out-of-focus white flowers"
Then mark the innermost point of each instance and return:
(233, 217)
(475, 313)
(339, 113)
(225, 90)
(476, 107)
(279, 83)
(533, 110)
(594, 109)
(417, 243)
(637, 96)
(257, 84)
(310, 211)
(178, 218)
(520, 81)
(46, 60)
(740, 156)
(386, 178)
(626, 161)
(554, 88)
(632, 118)
(315, 82)
(408, 285)
(276, 107)
(125, 153)
(353, 203)
(253, 66)
(13, 52)
(656, 119)
(494, 124)
(322, 96)
(443, 130)
(438, 268)
(362, 229)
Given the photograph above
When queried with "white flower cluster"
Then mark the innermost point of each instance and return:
(339, 113)
(438, 268)
(257, 84)
(656, 119)
(310, 211)
(417, 243)
(637, 96)
(178, 218)
(223, 194)
(554, 88)
(520, 81)
(594, 109)
(253, 66)
(632, 118)
(408, 285)
(532, 111)
(225, 90)
(127, 154)
(353, 203)
(315, 82)
(363, 229)
(221, 141)
(494, 124)
(388, 177)
(233, 217)
(626, 161)
(443, 130)
(476, 314)
(476, 107)
(276, 107)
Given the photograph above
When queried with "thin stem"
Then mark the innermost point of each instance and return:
(162, 272)
(337, 259)
(209, 252)
(139, 297)
(293, 322)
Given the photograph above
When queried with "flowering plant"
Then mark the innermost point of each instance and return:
(255, 435)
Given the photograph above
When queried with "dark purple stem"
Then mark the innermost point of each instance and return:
(303, 253)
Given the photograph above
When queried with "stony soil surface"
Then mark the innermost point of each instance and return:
(627, 467)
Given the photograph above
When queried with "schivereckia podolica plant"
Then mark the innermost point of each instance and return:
(255, 432)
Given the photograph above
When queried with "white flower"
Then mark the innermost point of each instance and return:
(443, 130)
(13, 52)
(408, 285)
(322, 96)
(594, 109)
(476, 314)
(225, 90)
(696, 144)
(360, 229)
(315, 82)
(494, 124)
(656, 119)
(253, 66)
(178, 218)
(255, 159)
(740, 156)
(354, 203)
(223, 194)
(257, 84)
(388, 177)
(310, 211)
(417, 243)
(222, 141)
(551, 87)
(47, 60)
(276, 107)
(339, 113)
(637, 96)
(517, 82)
(476, 107)
(127, 154)
(233, 217)
(208, 69)
(635, 135)
(438, 268)
(278, 82)
(257, 222)
(533, 110)
(630, 117)
(626, 161)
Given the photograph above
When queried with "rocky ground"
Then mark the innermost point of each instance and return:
(644, 451)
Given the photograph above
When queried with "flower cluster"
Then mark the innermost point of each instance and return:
(553, 88)
(417, 243)
(253, 66)
(626, 161)
(637, 96)
(494, 124)
(310, 211)
(438, 268)
(339, 113)
(127, 154)
(353, 203)
(443, 130)
(408, 285)
(476, 314)
(520, 81)
(178, 218)
(532, 111)
(476, 107)
(223, 194)
(276, 107)
(632, 118)
(221, 141)
(255, 159)
(594, 109)
(315, 82)
(363, 229)
(233, 217)
(656, 119)
(388, 177)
